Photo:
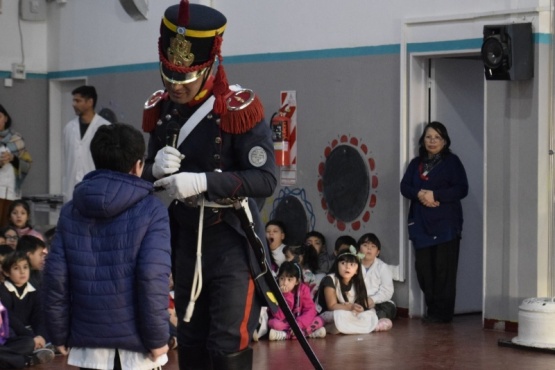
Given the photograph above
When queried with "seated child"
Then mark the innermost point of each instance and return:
(298, 298)
(21, 299)
(19, 217)
(275, 234)
(307, 258)
(17, 352)
(318, 242)
(10, 234)
(36, 250)
(343, 243)
(342, 299)
(377, 277)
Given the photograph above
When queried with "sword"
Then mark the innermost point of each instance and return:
(257, 247)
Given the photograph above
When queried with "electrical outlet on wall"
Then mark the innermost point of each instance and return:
(32, 10)
(18, 71)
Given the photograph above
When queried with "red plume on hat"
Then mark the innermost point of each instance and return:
(183, 15)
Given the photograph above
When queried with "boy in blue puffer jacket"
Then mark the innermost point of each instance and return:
(106, 277)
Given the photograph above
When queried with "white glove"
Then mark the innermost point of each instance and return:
(166, 162)
(183, 185)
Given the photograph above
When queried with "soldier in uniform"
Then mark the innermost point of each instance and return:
(209, 145)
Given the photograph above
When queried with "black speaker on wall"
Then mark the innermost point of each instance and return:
(508, 52)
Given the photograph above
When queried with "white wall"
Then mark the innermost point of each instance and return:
(93, 34)
(34, 40)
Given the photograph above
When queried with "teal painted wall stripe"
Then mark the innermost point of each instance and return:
(474, 43)
(419, 47)
(315, 54)
(543, 38)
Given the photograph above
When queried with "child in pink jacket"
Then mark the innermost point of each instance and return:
(299, 299)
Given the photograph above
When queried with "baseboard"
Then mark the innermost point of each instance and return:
(403, 312)
(501, 325)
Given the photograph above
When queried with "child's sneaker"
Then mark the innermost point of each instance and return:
(278, 335)
(384, 325)
(41, 356)
(318, 333)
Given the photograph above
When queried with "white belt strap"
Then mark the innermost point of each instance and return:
(197, 279)
(200, 113)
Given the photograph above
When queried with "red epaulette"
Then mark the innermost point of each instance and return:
(152, 110)
(244, 111)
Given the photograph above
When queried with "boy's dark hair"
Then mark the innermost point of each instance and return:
(316, 234)
(13, 258)
(49, 234)
(277, 223)
(369, 238)
(5, 249)
(87, 92)
(357, 279)
(309, 254)
(8, 117)
(25, 205)
(117, 147)
(29, 243)
(344, 240)
(291, 269)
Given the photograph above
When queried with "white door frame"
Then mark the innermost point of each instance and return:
(414, 112)
(56, 103)
(417, 104)
(421, 39)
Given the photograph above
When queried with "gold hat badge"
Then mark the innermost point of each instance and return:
(179, 51)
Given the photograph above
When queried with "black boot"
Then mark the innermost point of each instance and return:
(193, 358)
(241, 360)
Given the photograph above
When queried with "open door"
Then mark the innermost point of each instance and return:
(456, 98)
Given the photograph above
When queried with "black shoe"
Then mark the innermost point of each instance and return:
(241, 360)
(41, 356)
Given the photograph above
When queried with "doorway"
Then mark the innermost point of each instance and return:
(457, 100)
(450, 88)
(61, 112)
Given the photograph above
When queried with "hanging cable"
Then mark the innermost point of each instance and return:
(21, 36)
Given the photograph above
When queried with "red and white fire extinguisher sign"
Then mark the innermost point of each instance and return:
(280, 124)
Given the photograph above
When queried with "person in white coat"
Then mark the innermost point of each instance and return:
(78, 134)
(377, 277)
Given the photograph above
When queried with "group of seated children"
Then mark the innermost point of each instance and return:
(23, 340)
(348, 293)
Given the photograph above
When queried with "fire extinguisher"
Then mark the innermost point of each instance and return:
(280, 135)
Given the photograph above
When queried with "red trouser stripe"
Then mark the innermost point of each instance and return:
(245, 335)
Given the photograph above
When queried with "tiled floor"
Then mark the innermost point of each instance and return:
(409, 345)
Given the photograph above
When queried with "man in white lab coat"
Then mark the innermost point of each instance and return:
(78, 134)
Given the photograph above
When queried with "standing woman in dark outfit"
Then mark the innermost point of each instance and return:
(435, 182)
